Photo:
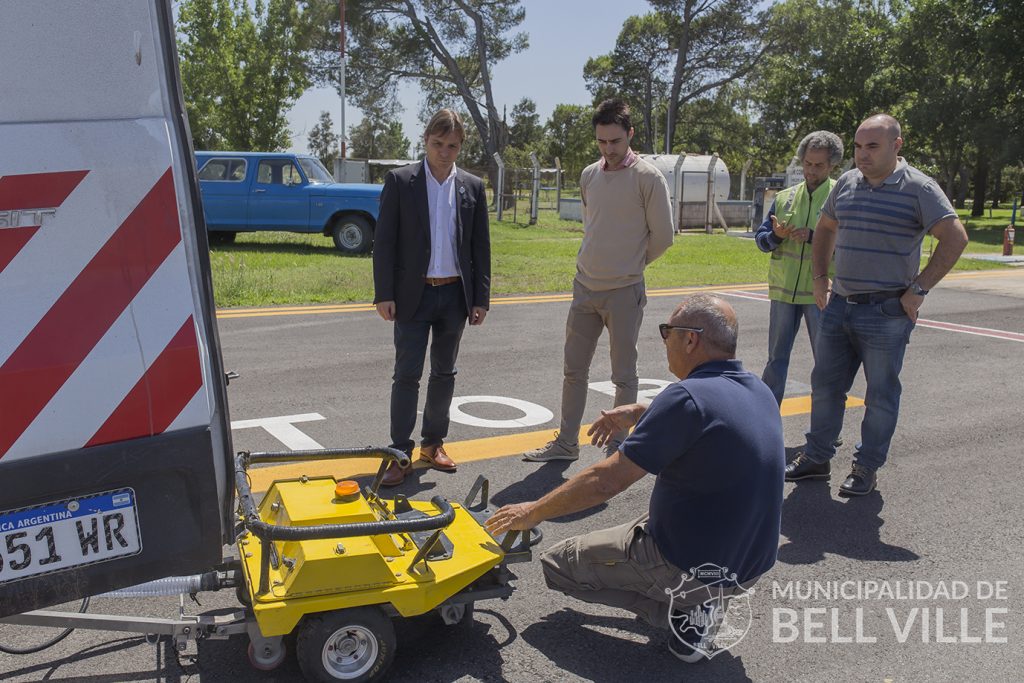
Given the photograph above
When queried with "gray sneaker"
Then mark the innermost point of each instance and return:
(553, 450)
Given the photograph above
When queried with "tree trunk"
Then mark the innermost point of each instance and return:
(961, 193)
(997, 191)
(949, 180)
(682, 55)
(648, 141)
(980, 184)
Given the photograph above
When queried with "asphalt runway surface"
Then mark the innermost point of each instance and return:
(922, 580)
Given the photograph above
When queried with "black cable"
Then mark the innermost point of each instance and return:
(48, 644)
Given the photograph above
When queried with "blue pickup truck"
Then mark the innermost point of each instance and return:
(248, 191)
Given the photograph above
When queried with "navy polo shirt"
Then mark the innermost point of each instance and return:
(714, 440)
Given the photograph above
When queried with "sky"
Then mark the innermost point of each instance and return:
(563, 35)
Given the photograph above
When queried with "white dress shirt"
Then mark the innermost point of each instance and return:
(441, 202)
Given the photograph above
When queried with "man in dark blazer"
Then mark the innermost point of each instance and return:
(431, 272)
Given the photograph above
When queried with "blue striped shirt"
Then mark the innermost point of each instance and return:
(878, 244)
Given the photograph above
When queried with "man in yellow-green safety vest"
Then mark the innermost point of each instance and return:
(786, 234)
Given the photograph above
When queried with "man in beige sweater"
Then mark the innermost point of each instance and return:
(627, 223)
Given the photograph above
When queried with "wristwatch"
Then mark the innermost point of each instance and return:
(917, 289)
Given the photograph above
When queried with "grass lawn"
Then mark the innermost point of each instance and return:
(986, 232)
(282, 268)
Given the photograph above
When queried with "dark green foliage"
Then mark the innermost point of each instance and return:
(242, 68)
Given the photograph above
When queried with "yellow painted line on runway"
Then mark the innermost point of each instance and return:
(801, 405)
(230, 313)
(297, 309)
(984, 273)
(322, 309)
(292, 310)
(463, 451)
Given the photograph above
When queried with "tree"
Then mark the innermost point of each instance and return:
(722, 124)
(1005, 37)
(448, 47)
(378, 138)
(525, 131)
(960, 103)
(635, 71)
(242, 68)
(828, 74)
(323, 141)
(715, 42)
(569, 135)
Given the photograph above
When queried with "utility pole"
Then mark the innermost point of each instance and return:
(341, 79)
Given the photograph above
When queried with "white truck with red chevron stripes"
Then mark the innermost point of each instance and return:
(117, 475)
(115, 452)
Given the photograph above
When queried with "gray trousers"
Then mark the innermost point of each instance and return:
(621, 311)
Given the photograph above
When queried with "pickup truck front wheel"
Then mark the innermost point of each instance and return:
(352, 234)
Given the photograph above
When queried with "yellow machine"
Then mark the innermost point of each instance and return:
(333, 564)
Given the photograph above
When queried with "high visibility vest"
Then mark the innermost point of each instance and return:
(789, 270)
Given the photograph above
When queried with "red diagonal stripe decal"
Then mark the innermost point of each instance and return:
(37, 190)
(86, 310)
(11, 242)
(160, 395)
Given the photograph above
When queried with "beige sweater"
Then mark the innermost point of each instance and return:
(627, 223)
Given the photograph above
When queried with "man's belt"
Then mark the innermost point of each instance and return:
(438, 281)
(873, 297)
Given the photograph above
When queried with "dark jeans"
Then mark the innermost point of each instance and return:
(875, 335)
(441, 316)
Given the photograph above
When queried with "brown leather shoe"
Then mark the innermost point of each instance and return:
(395, 475)
(437, 458)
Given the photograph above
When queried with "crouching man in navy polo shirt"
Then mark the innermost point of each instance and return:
(714, 442)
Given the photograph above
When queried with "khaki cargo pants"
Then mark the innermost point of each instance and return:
(619, 567)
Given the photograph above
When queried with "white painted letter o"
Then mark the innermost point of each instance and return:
(533, 414)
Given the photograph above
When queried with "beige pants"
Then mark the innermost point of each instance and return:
(621, 311)
(619, 567)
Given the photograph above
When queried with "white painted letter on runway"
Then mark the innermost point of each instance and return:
(642, 395)
(283, 429)
(533, 414)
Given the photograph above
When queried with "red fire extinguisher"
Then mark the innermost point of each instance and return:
(1008, 241)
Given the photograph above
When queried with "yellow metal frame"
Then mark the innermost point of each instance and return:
(330, 574)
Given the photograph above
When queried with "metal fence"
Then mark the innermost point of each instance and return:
(527, 191)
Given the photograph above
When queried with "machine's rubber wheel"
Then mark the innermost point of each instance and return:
(463, 615)
(267, 661)
(220, 237)
(355, 644)
(352, 234)
(467, 616)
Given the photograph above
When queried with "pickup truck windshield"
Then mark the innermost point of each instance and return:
(315, 171)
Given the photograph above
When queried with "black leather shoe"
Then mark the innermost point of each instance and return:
(803, 467)
(861, 481)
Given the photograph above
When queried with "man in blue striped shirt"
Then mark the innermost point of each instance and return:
(874, 221)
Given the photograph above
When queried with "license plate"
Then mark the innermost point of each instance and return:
(68, 533)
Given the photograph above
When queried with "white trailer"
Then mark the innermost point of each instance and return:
(115, 446)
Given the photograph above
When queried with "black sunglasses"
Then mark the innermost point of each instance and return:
(663, 328)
